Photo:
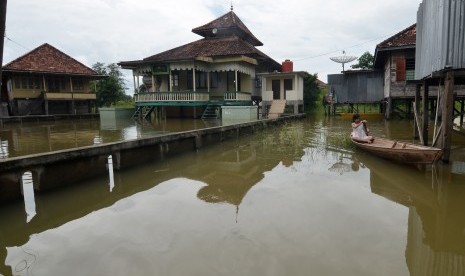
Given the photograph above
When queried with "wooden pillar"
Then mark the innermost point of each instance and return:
(447, 116)
(461, 113)
(193, 79)
(138, 84)
(424, 106)
(208, 82)
(235, 80)
(153, 83)
(416, 109)
(388, 108)
(73, 104)
(134, 79)
(46, 104)
(3, 7)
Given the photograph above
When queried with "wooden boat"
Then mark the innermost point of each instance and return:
(364, 116)
(402, 152)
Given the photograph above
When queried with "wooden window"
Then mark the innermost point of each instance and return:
(201, 79)
(175, 79)
(410, 69)
(258, 82)
(400, 69)
(78, 84)
(214, 79)
(189, 79)
(17, 83)
(56, 85)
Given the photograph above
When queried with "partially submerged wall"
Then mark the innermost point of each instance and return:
(66, 167)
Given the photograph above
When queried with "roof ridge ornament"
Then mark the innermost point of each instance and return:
(232, 8)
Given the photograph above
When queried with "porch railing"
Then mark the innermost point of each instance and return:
(172, 97)
(237, 96)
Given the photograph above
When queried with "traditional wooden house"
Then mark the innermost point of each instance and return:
(47, 81)
(395, 56)
(219, 69)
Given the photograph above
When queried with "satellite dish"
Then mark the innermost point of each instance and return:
(343, 59)
(215, 30)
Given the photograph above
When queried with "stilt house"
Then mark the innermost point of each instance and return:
(221, 69)
(47, 81)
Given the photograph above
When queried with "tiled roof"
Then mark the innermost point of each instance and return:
(210, 47)
(404, 38)
(226, 25)
(48, 59)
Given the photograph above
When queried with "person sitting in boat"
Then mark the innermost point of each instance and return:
(360, 132)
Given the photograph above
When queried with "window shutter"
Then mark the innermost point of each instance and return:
(400, 69)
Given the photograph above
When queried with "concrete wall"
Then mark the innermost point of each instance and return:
(75, 165)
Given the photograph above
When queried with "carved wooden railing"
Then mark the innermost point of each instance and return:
(172, 97)
(237, 96)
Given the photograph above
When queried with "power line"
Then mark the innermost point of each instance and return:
(336, 51)
(17, 43)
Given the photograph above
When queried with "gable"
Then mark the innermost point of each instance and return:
(48, 59)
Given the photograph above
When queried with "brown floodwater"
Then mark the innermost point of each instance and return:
(291, 200)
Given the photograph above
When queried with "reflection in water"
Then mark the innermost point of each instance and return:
(98, 140)
(110, 173)
(178, 216)
(38, 137)
(436, 235)
(28, 193)
(4, 152)
(343, 165)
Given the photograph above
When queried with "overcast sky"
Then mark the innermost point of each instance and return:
(307, 32)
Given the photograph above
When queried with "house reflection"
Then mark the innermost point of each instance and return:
(230, 174)
(436, 225)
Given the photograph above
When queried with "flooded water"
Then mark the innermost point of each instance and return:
(291, 200)
(31, 138)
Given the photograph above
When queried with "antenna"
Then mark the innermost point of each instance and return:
(232, 8)
(343, 59)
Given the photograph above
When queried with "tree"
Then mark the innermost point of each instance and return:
(111, 89)
(365, 61)
(311, 90)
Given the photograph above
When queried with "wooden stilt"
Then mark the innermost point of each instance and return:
(461, 113)
(416, 109)
(424, 103)
(389, 108)
(447, 116)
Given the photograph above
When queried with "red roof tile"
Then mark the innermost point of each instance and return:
(405, 37)
(48, 59)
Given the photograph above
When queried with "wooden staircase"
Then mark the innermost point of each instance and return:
(276, 109)
(143, 112)
(210, 112)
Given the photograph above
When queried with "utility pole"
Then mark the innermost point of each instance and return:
(2, 32)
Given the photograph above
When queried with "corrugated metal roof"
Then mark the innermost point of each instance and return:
(441, 37)
(48, 59)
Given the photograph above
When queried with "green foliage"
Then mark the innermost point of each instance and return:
(124, 103)
(109, 90)
(312, 93)
(365, 61)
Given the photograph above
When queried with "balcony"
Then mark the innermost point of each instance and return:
(70, 96)
(172, 98)
(189, 98)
